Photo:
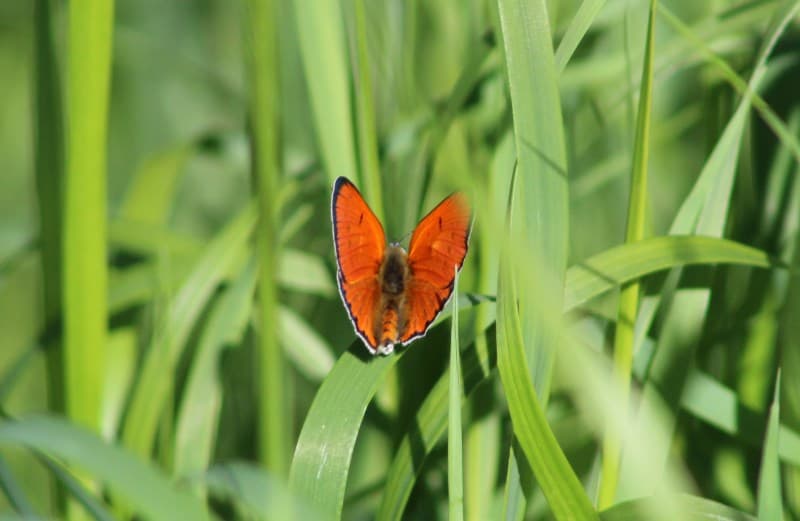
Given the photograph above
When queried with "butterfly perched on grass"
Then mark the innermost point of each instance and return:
(393, 296)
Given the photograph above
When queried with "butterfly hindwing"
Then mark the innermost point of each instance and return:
(437, 249)
(360, 245)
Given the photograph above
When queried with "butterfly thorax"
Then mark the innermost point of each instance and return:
(393, 277)
(394, 271)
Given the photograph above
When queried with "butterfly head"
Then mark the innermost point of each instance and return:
(386, 349)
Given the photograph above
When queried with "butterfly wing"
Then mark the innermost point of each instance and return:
(438, 247)
(360, 245)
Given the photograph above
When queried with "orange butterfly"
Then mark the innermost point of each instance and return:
(393, 296)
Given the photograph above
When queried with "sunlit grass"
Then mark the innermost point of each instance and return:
(636, 198)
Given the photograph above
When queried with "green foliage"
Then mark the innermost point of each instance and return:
(173, 345)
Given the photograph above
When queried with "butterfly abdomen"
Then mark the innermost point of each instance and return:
(389, 325)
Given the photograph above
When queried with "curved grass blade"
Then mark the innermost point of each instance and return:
(92, 505)
(13, 491)
(560, 485)
(323, 451)
(621, 264)
(155, 380)
(144, 488)
(198, 413)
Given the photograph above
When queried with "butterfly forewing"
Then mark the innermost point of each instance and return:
(437, 249)
(360, 245)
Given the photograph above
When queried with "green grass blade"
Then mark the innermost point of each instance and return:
(320, 30)
(156, 378)
(629, 294)
(14, 370)
(598, 70)
(302, 272)
(150, 240)
(431, 419)
(762, 107)
(455, 450)
(13, 491)
(365, 114)
(49, 171)
(561, 487)
(770, 504)
(261, 49)
(144, 488)
(541, 167)
(482, 435)
(577, 29)
(198, 413)
(308, 351)
(683, 320)
(707, 399)
(92, 505)
(85, 274)
(150, 195)
(541, 183)
(513, 498)
(322, 455)
(621, 264)
(123, 346)
(716, 176)
(696, 508)
(138, 284)
(256, 493)
(415, 183)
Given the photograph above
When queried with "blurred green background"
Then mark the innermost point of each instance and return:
(411, 100)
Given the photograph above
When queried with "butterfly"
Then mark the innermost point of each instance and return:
(393, 296)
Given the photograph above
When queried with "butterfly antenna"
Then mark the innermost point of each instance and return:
(402, 239)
